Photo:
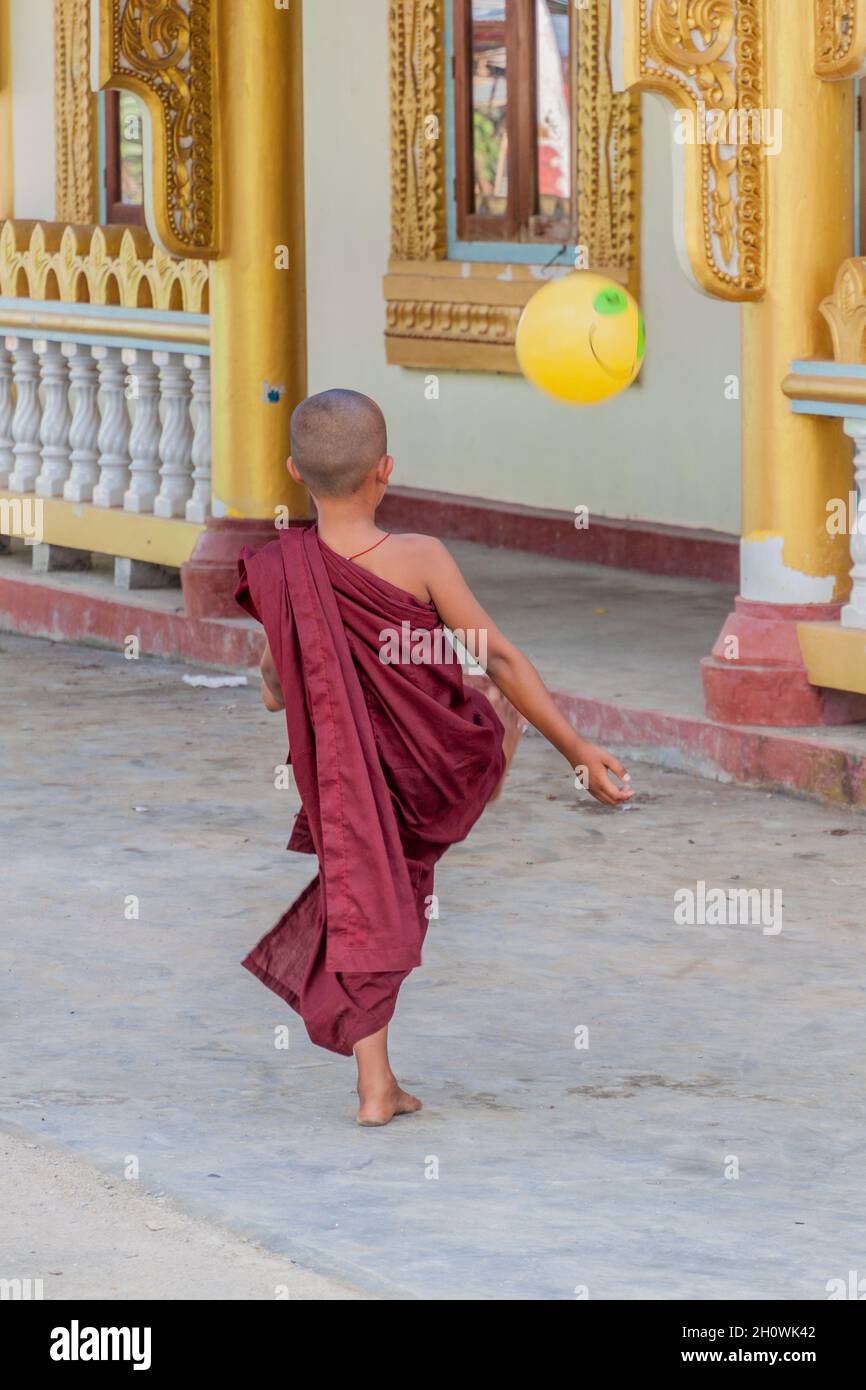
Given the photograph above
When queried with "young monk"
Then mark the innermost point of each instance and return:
(394, 759)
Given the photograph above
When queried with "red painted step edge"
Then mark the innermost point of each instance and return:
(777, 759)
(40, 610)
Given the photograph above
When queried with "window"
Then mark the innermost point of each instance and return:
(486, 139)
(124, 158)
(513, 117)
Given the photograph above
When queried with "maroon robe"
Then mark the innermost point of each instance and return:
(393, 763)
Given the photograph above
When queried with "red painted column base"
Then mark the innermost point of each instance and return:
(756, 673)
(209, 577)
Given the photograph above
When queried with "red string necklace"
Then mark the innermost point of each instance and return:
(369, 548)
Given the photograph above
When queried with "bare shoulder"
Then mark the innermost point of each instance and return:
(427, 550)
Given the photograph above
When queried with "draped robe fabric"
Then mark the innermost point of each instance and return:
(393, 763)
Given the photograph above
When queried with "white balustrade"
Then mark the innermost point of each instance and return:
(114, 430)
(143, 392)
(198, 506)
(56, 418)
(854, 612)
(84, 429)
(27, 416)
(175, 442)
(118, 427)
(7, 458)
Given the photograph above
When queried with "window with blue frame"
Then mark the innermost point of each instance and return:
(511, 129)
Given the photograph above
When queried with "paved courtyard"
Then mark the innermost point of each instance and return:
(705, 1138)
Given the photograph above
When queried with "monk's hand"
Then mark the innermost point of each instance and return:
(592, 770)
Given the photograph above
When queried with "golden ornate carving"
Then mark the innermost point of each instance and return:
(706, 56)
(608, 158)
(474, 319)
(840, 38)
(76, 143)
(845, 312)
(97, 265)
(456, 322)
(162, 51)
(416, 29)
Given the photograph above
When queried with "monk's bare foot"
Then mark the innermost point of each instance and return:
(380, 1107)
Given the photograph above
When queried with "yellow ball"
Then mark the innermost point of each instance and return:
(581, 339)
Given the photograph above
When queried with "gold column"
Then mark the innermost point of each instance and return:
(6, 167)
(259, 364)
(793, 464)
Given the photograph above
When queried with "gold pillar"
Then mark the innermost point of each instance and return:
(6, 167)
(793, 464)
(259, 363)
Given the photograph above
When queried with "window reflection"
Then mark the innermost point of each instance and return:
(490, 107)
(553, 108)
(131, 149)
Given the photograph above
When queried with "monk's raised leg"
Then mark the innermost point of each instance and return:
(379, 1092)
(515, 728)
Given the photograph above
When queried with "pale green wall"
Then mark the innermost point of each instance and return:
(667, 451)
(32, 25)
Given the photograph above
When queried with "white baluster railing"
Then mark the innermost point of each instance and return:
(114, 431)
(854, 612)
(175, 442)
(56, 419)
(198, 506)
(27, 417)
(119, 427)
(7, 458)
(143, 391)
(84, 429)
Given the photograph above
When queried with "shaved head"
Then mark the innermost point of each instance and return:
(337, 437)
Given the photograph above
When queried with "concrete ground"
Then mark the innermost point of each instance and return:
(91, 1235)
(707, 1143)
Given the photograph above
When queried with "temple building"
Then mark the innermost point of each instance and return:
(211, 208)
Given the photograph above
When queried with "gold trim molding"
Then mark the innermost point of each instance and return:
(97, 265)
(840, 39)
(845, 311)
(707, 55)
(76, 177)
(163, 51)
(416, 30)
(608, 152)
(442, 313)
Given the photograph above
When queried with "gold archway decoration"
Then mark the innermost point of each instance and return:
(840, 39)
(845, 311)
(97, 265)
(706, 56)
(163, 51)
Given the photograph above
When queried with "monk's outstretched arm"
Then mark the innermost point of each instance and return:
(272, 691)
(518, 679)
